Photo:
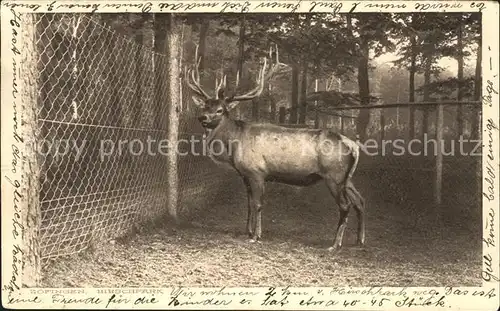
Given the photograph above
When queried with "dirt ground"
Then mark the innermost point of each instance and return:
(409, 242)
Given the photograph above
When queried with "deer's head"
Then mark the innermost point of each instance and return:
(215, 108)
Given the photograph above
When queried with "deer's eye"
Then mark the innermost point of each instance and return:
(220, 110)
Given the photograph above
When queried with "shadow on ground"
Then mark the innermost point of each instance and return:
(410, 242)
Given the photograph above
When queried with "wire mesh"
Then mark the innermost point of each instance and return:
(102, 104)
(89, 82)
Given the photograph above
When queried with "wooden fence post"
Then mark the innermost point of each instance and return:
(411, 122)
(21, 212)
(32, 216)
(397, 117)
(316, 112)
(439, 156)
(173, 39)
(382, 126)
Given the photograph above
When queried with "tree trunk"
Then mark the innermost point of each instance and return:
(316, 112)
(24, 243)
(413, 70)
(282, 115)
(241, 46)
(295, 93)
(303, 87)
(183, 103)
(173, 46)
(364, 90)
(205, 24)
(460, 76)
(118, 74)
(294, 109)
(272, 114)
(303, 94)
(478, 77)
(476, 121)
(363, 82)
(255, 109)
(476, 132)
(241, 58)
(161, 22)
(340, 118)
(427, 82)
(136, 115)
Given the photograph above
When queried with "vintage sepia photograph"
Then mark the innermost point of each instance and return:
(309, 148)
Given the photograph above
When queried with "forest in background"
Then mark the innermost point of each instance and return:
(331, 60)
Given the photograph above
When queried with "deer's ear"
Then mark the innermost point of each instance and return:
(198, 101)
(232, 104)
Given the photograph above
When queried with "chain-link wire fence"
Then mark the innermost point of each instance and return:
(102, 117)
(97, 108)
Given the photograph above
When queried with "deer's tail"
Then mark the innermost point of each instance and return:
(354, 152)
(355, 155)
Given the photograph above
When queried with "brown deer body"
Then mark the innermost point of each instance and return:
(266, 152)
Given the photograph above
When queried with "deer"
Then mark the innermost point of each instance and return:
(265, 152)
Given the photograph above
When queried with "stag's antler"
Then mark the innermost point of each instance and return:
(195, 76)
(193, 79)
(220, 86)
(261, 78)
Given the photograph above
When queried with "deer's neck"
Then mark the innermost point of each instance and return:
(227, 130)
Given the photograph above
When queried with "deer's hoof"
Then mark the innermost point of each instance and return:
(254, 240)
(334, 249)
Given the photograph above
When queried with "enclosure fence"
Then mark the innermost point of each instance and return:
(98, 98)
(447, 151)
(101, 114)
(96, 89)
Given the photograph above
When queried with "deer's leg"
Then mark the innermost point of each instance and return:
(358, 202)
(257, 190)
(250, 225)
(344, 205)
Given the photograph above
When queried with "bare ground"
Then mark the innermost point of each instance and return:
(409, 241)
